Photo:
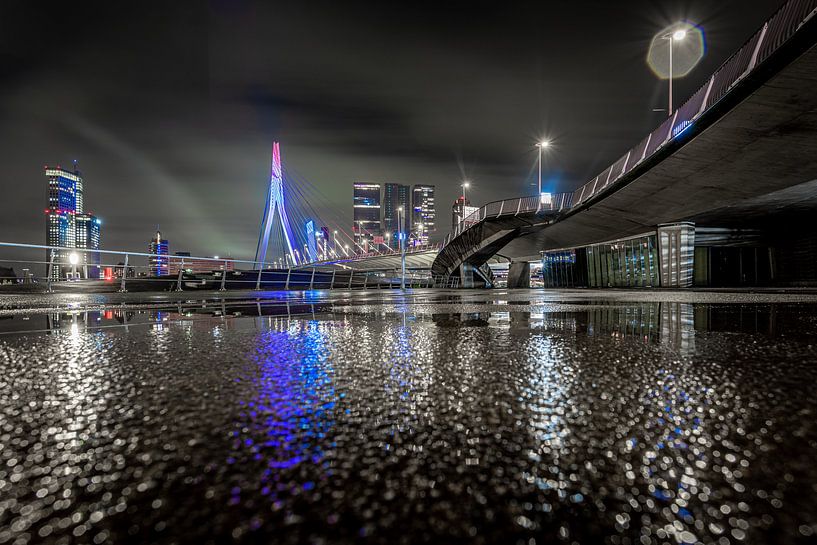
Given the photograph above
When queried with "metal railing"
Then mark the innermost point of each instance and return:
(782, 26)
(109, 270)
(512, 207)
(777, 30)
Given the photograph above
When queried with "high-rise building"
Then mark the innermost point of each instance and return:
(366, 226)
(424, 213)
(461, 211)
(158, 261)
(68, 226)
(396, 196)
(87, 228)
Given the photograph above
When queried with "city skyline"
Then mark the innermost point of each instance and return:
(162, 159)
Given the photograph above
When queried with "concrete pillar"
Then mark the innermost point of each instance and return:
(466, 276)
(676, 253)
(519, 275)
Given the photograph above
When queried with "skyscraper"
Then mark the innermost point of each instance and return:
(366, 226)
(88, 227)
(461, 210)
(394, 197)
(158, 261)
(424, 213)
(68, 226)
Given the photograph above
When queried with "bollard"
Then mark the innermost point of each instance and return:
(223, 278)
(179, 278)
(124, 276)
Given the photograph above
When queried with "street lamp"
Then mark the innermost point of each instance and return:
(671, 37)
(73, 258)
(402, 248)
(541, 145)
(465, 185)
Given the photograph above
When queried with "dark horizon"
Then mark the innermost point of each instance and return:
(171, 111)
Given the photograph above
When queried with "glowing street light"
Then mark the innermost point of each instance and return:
(402, 247)
(465, 185)
(73, 258)
(541, 145)
(671, 37)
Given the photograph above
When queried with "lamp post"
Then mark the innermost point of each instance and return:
(402, 248)
(335, 242)
(541, 145)
(675, 36)
(465, 185)
(73, 258)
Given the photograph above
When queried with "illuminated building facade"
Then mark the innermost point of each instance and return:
(87, 229)
(424, 214)
(68, 226)
(158, 263)
(366, 228)
(396, 196)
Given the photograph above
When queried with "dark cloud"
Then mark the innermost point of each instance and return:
(171, 106)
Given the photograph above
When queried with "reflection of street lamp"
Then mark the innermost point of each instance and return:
(675, 36)
(541, 145)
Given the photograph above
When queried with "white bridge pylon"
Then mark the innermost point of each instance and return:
(275, 202)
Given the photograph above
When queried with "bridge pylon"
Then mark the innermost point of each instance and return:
(275, 203)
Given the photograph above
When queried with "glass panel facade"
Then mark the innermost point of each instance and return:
(564, 269)
(623, 264)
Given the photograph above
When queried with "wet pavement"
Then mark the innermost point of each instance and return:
(435, 417)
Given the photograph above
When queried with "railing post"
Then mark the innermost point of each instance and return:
(258, 279)
(124, 276)
(351, 276)
(289, 272)
(332, 282)
(312, 280)
(179, 279)
(366, 281)
(223, 278)
(753, 60)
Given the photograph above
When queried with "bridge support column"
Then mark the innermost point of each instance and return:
(676, 253)
(466, 276)
(519, 275)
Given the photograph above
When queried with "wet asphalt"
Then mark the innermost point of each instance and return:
(433, 417)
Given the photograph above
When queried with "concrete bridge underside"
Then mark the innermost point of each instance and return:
(765, 145)
(755, 148)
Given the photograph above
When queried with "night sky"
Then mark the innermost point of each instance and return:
(171, 107)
